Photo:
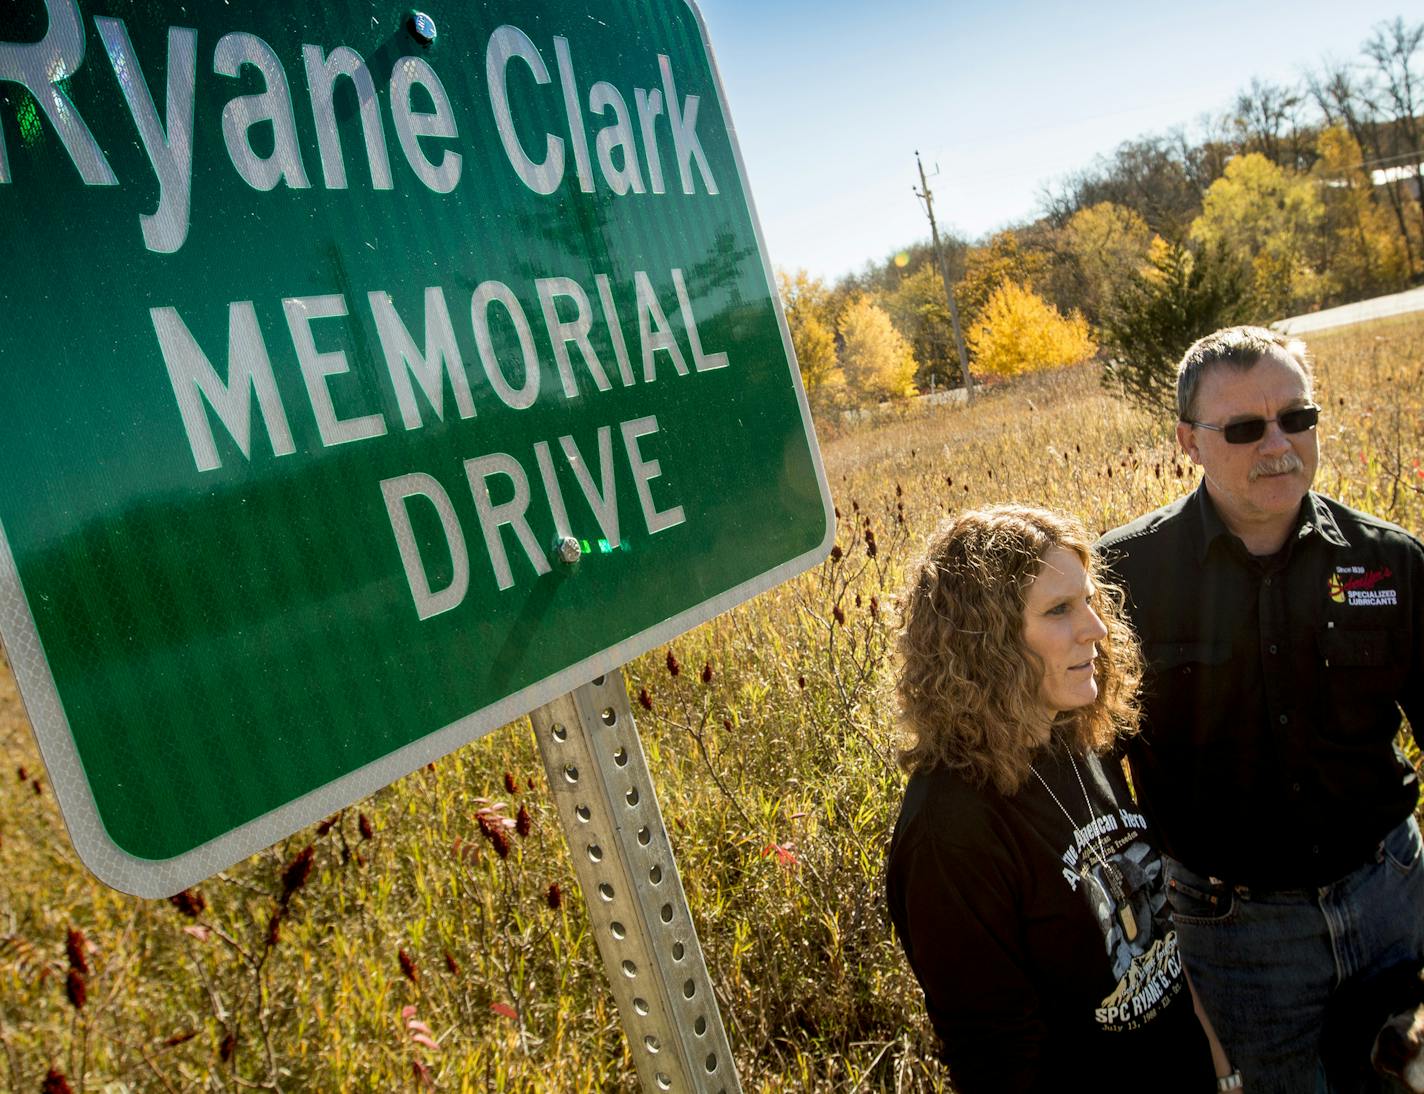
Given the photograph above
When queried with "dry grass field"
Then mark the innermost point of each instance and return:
(774, 768)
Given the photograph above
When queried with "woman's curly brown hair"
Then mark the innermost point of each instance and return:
(968, 686)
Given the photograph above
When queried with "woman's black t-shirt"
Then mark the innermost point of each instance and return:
(1041, 940)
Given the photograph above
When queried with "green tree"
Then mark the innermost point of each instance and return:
(1268, 220)
(919, 309)
(1182, 294)
(807, 302)
(1018, 331)
(877, 361)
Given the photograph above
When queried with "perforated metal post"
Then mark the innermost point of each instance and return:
(635, 900)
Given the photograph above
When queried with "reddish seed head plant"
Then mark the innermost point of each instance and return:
(76, 947)
(75, 989)
(190, 902)
(296, 872)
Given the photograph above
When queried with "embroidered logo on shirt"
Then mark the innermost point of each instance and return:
(1358, 586)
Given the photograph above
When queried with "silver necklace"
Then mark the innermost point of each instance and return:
(1113, 884)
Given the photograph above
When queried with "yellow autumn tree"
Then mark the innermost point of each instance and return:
(806, 302)
(878, 363)
(1364, 254)
(1001, 260)
(1018, 331)
(1268, 218)
(1107, 244)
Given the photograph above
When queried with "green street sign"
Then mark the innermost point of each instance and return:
(367, 379)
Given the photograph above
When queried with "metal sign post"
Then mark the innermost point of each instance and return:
(636, 905)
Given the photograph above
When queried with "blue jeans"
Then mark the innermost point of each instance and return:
(1267, 965)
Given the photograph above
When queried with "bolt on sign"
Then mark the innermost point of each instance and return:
(366, 381)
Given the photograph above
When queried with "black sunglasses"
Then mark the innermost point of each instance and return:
(1253, 429)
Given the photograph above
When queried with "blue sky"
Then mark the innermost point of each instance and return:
(830, 100)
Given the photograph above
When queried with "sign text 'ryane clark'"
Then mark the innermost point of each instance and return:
(312, 376)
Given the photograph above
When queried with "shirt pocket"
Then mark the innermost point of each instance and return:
(1180, 658)
(1185, 676)
(1362, 672)
(1347, 648)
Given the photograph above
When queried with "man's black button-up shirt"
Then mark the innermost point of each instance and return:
(1273, 688)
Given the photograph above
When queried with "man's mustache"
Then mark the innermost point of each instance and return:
(1279, 466)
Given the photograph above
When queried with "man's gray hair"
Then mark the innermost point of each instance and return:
(1239, 347)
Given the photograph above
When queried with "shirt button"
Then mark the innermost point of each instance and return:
(1273, 647)
(1284, 719)
(1315, 850)
(1268, 581)
(1295, 788)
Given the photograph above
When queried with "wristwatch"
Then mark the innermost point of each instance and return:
(1229, 1082)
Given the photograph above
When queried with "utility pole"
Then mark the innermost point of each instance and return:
(923, 193)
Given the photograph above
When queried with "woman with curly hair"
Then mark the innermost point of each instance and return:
(1021, 880)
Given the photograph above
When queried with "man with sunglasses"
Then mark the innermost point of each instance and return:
(1283, 634)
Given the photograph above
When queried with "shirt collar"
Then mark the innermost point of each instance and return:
(1322, 520)
(1314, 518)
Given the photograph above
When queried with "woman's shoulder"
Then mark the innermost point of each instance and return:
(951, 829)
(943, 806)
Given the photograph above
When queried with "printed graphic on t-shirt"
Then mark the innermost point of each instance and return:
(1153, 978)
(1121, 876)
